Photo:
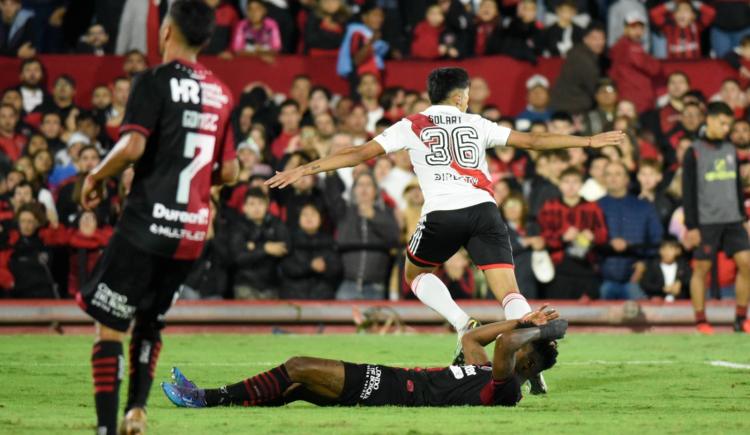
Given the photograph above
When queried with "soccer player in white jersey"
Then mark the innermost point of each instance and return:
(447, 148)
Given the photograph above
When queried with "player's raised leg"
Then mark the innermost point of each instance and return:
(433, 293)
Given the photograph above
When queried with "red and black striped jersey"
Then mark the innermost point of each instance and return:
(184, 112)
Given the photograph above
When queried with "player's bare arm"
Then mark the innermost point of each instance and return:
(343, 158)
(126, 152)
(475, 340)
(551, 141)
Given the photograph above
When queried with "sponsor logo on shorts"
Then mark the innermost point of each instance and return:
(372, 381)
(111, 302)
(145, 352)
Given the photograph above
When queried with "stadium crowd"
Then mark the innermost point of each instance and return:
(588, 225)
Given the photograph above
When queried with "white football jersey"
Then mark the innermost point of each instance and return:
(447, 149)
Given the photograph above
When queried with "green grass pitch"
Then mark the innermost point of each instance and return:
(603, 384)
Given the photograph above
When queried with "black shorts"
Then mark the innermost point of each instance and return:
(730, 238)
(128, 282)
(375, 385)
(479, 228)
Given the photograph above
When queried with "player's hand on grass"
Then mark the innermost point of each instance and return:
(285, 178)
(608, 139)
(541, 316)
(92, 192)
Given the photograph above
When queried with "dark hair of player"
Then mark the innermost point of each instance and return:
(571, 172)
(256, 192)
(195, 19)
(719, 108)
(547, 351)
(442, 81)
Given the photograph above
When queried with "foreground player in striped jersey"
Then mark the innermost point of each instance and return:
(523, 348)
(177, 135)
(447, 147)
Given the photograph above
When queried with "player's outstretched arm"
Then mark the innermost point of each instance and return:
(343, 158)
(551, 141)
(127, 151)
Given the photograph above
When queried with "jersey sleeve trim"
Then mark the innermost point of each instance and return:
(496, 266)
(135, 127)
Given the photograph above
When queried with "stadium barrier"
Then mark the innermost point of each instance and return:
(506, 77)
(290, 312)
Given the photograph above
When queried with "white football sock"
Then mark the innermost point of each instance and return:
(515, 306)
(433, 293)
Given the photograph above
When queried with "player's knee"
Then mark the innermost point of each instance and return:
(104, 333)
(295, 366)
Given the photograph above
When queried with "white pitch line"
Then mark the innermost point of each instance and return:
(729, 365)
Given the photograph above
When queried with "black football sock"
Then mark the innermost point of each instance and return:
(266, 388)
(106, 364)
(145, 346)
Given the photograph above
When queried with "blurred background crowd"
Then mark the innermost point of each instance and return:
(585, 225)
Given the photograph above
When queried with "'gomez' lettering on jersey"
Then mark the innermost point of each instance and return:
(184, 111)
(448, 151)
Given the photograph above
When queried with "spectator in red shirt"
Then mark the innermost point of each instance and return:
(324, 29)
(11, 142)
(289, 118)
(634, 70)
(426, 41)
(489, 29)
(86, 243)
(678, 22)
(571, 227)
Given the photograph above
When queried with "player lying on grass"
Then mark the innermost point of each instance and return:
(523, 348)
(447, 148)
